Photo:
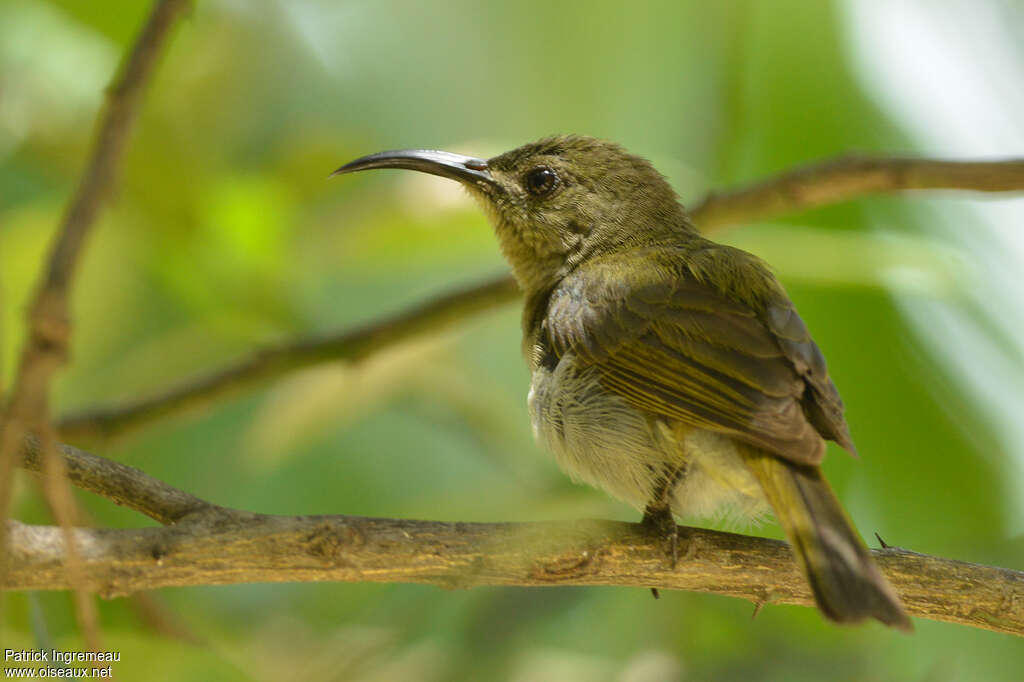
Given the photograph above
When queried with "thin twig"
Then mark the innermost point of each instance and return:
(62, 504)
(849, 177)
(49, 327)
(804, 188)
(224, 547)
(158, 618)
(273, 361)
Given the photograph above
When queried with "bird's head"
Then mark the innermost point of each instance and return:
(556, 202)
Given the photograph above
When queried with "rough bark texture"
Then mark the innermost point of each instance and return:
(204, 544)
(220, 547)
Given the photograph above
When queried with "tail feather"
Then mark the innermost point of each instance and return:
(847, 584)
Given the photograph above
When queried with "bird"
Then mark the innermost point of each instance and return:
(671, 371)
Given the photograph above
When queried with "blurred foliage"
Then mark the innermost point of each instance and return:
(226, 233)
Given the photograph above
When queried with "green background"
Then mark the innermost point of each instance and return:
(226, 234)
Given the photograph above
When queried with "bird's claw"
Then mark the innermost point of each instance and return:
(659, 521)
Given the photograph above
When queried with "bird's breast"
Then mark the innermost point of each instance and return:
(595, 435)
(601, 439)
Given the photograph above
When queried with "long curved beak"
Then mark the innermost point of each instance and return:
(465, 169)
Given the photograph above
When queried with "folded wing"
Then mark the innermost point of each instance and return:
(682, 349)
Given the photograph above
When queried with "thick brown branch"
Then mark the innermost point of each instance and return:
(273, 361)
(847, 178)
(204, 544)
(804, 188)
(225, 547)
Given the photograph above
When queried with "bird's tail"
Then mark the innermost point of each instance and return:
(847, 584)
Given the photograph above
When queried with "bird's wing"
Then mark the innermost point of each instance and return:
(680, 348)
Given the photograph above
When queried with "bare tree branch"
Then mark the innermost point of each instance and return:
(273, 361)
(221, 547)
(846, 178)
(803, 188)
(204, 544)
(48, 319)
(49, 327)
(65, 511)
(120, 483)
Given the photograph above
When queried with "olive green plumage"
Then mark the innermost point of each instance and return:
(671, 371)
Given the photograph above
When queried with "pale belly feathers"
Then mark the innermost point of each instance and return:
(598, 438)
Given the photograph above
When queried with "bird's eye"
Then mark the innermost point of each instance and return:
(541, 181)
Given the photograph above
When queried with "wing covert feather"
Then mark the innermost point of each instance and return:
(681, 349)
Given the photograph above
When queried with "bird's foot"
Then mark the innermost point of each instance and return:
(659, 521)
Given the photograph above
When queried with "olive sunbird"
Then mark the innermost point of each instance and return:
(666, 369)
